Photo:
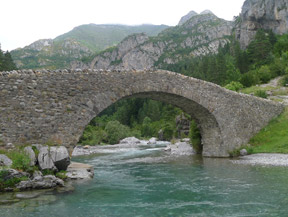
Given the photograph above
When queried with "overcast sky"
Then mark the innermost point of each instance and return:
(25, 21)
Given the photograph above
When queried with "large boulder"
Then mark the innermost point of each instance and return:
(45, 160)
(53, 158)
(29, 151)
(181, 148)
(5, 161)
(60, 157)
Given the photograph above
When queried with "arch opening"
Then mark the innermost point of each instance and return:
(211, 139)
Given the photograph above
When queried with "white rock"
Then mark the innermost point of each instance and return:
(153, 140)
(80, 171)
(129, 140)
(60, 157)
(5, 161)
(45, 160)
(29, 151)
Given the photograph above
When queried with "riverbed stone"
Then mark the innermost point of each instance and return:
(80, 171)
(152, 141)
(29, 151)
(243, 152)
(130, 140)
(5, 161)
(181, 148)
(38, 182)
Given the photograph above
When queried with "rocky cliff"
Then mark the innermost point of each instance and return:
(261, 14)
(200, 35)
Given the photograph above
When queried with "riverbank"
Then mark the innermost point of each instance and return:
(264, 159)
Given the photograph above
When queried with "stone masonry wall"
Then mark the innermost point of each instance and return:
(56, 106)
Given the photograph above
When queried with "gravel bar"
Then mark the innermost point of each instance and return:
(264, 159)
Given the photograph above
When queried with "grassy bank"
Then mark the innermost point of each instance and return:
(273, 138)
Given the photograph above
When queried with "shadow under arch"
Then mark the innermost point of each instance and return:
(211, 137)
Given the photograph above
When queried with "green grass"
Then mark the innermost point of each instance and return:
(273, 138)
(254, 89)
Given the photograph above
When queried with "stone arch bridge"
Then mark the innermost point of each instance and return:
(43, 106)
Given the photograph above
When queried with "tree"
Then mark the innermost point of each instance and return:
(259, 49)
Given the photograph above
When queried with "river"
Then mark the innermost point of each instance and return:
(149, 182)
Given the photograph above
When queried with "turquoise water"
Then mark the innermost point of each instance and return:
(141, 182)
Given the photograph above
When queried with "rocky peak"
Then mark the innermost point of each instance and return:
(262, 14)
(187, 17)
(206, 12)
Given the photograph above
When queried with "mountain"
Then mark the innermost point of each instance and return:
(200, 35)
(79, 43)
(187, 17)
(261, 14)
(99, 37)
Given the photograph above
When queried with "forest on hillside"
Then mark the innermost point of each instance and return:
(265, 58)
(6, 61)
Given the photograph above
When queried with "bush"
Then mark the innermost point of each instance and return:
(116, 132)
(61, 175)
(264, 74)
(284, 80)
(21, 160)
(195, 137)
(168, 132)
(234, 86)
(261, 93)
(146, 129)
(249, 79)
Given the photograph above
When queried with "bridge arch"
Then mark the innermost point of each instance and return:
(44, 106)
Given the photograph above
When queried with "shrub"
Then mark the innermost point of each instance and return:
(195, 137)
(168, 132)
(146, 129)
(116, 132)
(61, 175)
(284, 80)
(261, 93)
(264, 74)
(234, 86)
(249, 79)
(21, 160)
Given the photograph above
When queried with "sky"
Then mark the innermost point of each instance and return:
(24, 21)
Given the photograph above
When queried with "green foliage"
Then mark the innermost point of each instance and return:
(260, 48)
(168, 132)
(195, 137)
(116, 131)
(264, 74)
(61, 175)
(21, 160)
(146, 129)
(273, 138)
(6, 61)
(261, 93)
(284, 80)
(234, 85)
(6, 182)
(250, 78)
(47, 172)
